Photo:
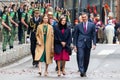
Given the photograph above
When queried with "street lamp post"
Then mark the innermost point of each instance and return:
(73, 12)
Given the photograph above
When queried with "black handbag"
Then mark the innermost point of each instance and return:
(68, 48)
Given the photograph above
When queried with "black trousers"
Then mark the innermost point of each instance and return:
(83, 57)
(20, 32)
(33, 46)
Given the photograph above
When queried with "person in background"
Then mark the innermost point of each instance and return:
(42, 9)
(14, 21)
(109, 32)
(111, 18)
(62, 41)
(56, 13)
(99, 29)
(67, 14)
(20, 11)
(118, 34)
(73, 29)
(0, 19)
(37, 5)
(76, 22)
(6, 28)
(45, 44)
(91, 17)
(53, 21)
(10, 7)
(30, 11)
(59, 13)
(24, 21)
(117, 28)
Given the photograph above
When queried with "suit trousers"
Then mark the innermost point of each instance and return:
(33, 45)
(83, 56)
(20, 32)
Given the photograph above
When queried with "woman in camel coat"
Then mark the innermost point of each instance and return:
(45, 43)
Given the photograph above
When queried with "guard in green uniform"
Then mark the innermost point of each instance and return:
(57, 13)
(37, 5)
(42, 9)
(14, 19)
(31, 10)
(6, 28)
(25, 22)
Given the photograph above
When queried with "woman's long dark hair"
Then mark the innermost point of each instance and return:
(60, 25)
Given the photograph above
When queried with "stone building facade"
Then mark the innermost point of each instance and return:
(117, 10)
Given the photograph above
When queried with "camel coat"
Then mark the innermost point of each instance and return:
(49, 44)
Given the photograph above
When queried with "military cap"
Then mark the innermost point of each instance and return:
(36, 9)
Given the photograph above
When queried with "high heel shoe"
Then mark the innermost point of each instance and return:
(40, 73)
(46, 74)
(63, 72)
(59, 73)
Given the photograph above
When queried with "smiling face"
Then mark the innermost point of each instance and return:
(63, 21)
(84, 17)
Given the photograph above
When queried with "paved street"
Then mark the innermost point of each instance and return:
(104, 65)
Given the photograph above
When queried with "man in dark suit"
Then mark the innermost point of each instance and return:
(34, 23)
(20, 11)
(83, 37)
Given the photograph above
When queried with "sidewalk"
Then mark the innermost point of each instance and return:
(11, 55)
(15, 44)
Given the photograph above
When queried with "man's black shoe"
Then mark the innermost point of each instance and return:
(83, 75)
(33, 63)
(4, 50)
(11, 47)
(36, 65)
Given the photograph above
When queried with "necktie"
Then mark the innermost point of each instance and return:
(85, 27)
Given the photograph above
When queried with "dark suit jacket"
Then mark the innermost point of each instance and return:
(81, 38)
(35, 22)
(59, 37)
(19, 14)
